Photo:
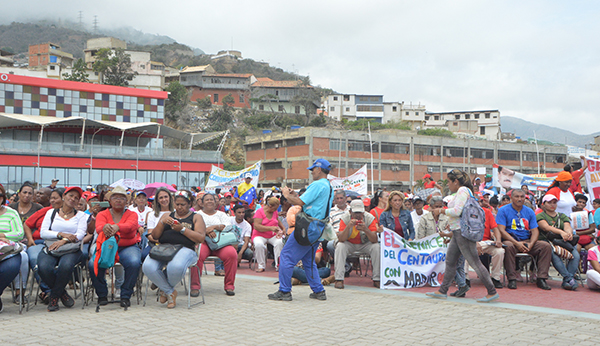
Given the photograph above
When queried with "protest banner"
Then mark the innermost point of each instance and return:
(509, 179)
(357, 182)
(592, 178)
(225, 180)
(408, 264)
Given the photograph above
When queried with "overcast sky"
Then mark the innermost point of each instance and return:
(536, 60)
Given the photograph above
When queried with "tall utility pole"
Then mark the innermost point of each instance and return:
(80, 19)
(95, 24)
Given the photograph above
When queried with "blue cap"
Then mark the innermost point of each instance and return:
(321, 163)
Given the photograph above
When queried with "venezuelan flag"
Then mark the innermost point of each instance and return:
(246, 192)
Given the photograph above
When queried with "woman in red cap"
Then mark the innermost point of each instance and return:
(428, 182)
(560, 189)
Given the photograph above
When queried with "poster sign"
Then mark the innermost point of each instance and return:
(592, 178)
(357, 182)
(408, 264)
(225, 180)
(509, 179)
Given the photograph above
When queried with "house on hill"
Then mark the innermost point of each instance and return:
(277, 96)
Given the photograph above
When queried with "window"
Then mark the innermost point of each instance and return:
(362, 146)
(395, 148)
(357, 165)
(467, 116)
(395, 167)
(394, 109)
(532, 157)
(272, 145)
(216, 98)
(427, 150)
(142, 66)
(457, 116)
(369, 108)
(427, 117)
(281, 108)
(417, 113)
(363, 99)
(183, 78)
(241, 98)
(374, 98)
(276, 92)
(436, 117)
(332, 109)
(336, 144)
(482, 154)
(455, 123)
(52, 67)
(476, 116)
(297, 109)
(253, 147)
(508, 155)
(347, 109)
(335, 98)
(555, 158)
(346, 97)
(261, 107)
(296, 141)
(487, 115)
(406, 113)
(455, 152)
(272, 165)
(482, 130)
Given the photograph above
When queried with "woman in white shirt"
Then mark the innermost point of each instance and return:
(67, 226)
(163, 204)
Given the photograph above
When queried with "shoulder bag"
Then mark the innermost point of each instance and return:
(230, 235)
(164, 252)
(309, 229)
(65, 248)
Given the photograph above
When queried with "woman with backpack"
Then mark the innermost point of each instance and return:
(460, 183)
(63, 227)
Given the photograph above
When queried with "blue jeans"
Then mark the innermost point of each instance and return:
(130, 258)
(568, 271)
(247, 255)
(9, 269)
(300, 274)
(33, 253)
(461, 276)
(57, 278)
(168, 279)
(290, 255)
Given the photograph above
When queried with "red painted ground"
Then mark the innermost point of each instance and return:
(583, 299)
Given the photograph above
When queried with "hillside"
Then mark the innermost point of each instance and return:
(525, 129)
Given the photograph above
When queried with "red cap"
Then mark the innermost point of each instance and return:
(90, 196)
(427, 176)
(74, 188)
(367, 202)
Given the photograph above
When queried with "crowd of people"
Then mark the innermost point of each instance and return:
(52, 230)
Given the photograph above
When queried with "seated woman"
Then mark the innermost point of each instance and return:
(35, 243)
(68, 226)
(267, 229)
(430, 224)
(553, 224)
(593, 272)
(11, 229)
(179, 227)
(161, 206)
(215, 221)
(397, 218)
(122, 223)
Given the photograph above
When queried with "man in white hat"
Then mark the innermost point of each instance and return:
(245, 193)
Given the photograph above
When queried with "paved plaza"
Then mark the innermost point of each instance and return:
(353, 316)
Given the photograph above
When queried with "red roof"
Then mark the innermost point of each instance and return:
(269, 83)
(79, 86)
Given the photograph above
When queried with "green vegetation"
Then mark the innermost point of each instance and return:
(78, 73)
(178, 98)
(361, 125)
(436, 132)
(115, 66)
(204, 103)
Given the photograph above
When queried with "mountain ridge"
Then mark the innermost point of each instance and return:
(527, 129)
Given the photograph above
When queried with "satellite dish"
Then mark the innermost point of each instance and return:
(418, 128)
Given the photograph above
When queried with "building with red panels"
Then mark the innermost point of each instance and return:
(399, 157)
(83, 133)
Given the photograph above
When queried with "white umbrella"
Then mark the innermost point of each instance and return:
(129, 184)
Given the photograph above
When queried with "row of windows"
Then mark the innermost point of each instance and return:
(277, 144)
(12, 177)
(369, 108)
(280, 108)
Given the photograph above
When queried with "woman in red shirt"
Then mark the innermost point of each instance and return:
(122, 223)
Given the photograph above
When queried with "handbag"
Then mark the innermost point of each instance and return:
(561, 252)
(230, 235)
(309, 229)
(9, 247)
(165, 252)
(65, 248)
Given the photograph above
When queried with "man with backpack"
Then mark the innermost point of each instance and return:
(315, 204)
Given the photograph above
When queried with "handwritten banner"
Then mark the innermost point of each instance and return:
(357, 182)
(411, 264)
(225, 180)
(592, 178)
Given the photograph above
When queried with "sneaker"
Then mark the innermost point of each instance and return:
(230, 292)
(125, 302)
(566, 286)
(497, 283)
(67, 300)
(171, 303)
(461, 292)
(318, 296)
(102, 301)
(53, 304)
(573, 283)
(279, 295)
(117, 293)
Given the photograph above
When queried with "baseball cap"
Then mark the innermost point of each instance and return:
(367, 201)
(564, 176)
(74, 188)
(321, 163)
(90, 196)
(548, 198)
(53, 180)
(248, 175)
(141, 193)
(357, 206)
(488, 175)
(427, 176)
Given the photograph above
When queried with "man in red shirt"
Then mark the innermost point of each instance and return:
(575, 184)
(491, 245)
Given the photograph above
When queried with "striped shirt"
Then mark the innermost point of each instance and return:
(11, 225)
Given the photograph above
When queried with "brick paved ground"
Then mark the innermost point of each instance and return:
(353, 316)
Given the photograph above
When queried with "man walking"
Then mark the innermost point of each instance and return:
(315, 202)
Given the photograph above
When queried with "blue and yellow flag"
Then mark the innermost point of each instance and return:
(246, 192)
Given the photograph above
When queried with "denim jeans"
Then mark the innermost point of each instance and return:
(168, 279)
(566, 271)
(9, 269)
(290, 255)
(461, 275)
(33, 253)
(247, 255)
(130, 258)
(57, 279)
(300, 274)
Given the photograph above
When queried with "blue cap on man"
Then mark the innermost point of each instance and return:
(321, 163)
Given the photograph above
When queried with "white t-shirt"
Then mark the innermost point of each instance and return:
(141, 214)
(244, 226)
(416, 217)
(218, 218)
(152, 220)
(76, 225)
(566, 203)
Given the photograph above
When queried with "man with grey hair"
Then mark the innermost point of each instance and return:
(340, 206)
(42, 196)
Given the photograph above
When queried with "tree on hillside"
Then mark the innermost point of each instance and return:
(228, 101)
(308, 99)
(178, 99)
(78, 73)
(114, 66)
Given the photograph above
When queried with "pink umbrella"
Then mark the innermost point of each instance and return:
(150, 189)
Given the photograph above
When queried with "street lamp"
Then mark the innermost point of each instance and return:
(340, 153)
(92, 154)
(137, 156)
(371, 148)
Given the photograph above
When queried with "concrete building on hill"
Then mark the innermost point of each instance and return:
(6, 58)
(277, 96)
(49, 57)
(399, 157)
(479, 123)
